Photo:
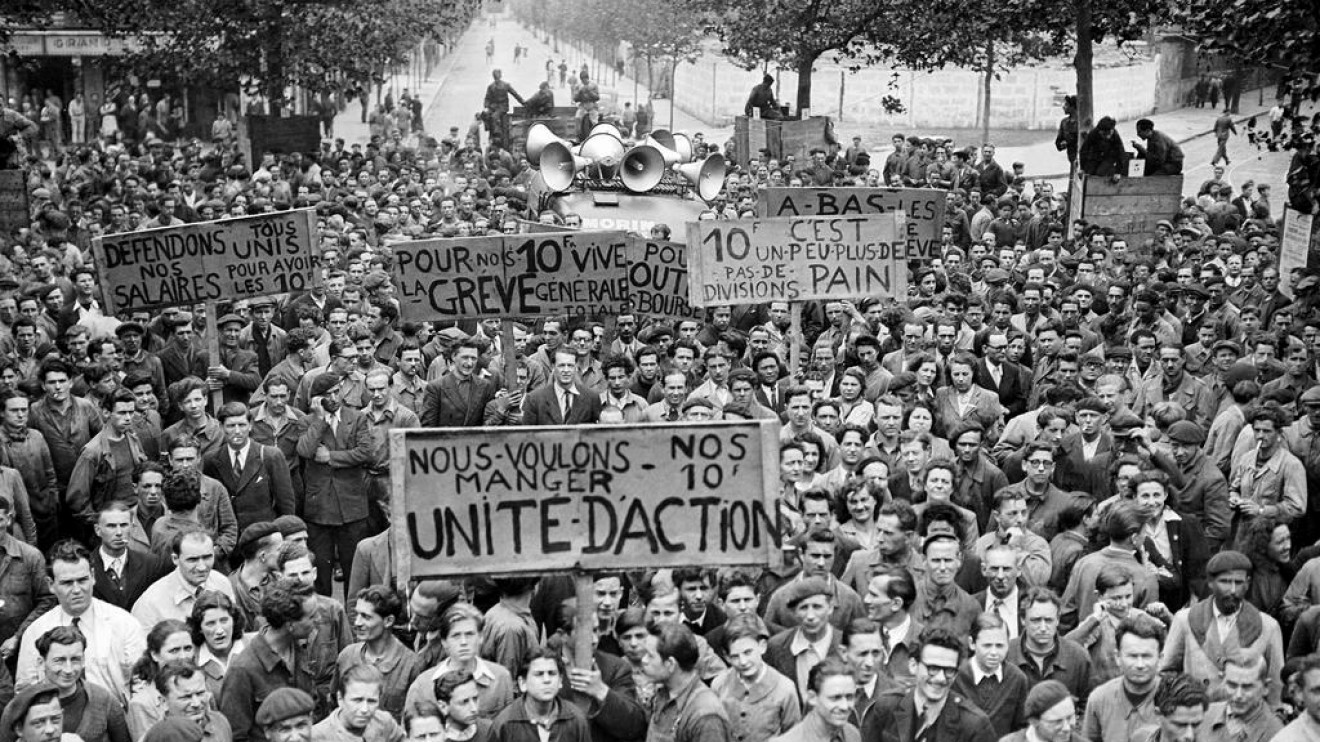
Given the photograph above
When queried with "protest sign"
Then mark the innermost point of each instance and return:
(1294, 245)
(658, 279)
(924, 208)
(577, 273)
(555, 499)
(762, 260)
(207, 261)
(14, 209)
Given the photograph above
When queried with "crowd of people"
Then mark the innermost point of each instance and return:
(1059, 490)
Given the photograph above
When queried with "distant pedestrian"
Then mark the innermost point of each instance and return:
(563, 73)
(490, 51)
(1224, 128)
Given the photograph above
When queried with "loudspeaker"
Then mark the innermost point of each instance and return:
(538, 136)
(604, 128)
(559, 166)
(683, 146)
(671, 155)
(605, 153)
(643, 168)
(707, 176)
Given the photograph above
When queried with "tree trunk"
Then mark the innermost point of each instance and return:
(985, 90)
(804, 66)
(1082, 65)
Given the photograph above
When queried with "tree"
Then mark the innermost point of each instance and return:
(793, 34)
(656, 32)
(1267, 33)
(272, 45)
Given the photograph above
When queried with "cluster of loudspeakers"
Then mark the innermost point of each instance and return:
(603, 155)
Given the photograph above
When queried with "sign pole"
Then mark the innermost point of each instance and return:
(584, 622)
(213, 354)
(510, 355)
(794, 338)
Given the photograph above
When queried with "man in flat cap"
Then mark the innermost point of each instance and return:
(1204, 634)
(286, 716)
(1204, 491)
(236, 372)
(35, 715)
(794, 651)
(1303, 438)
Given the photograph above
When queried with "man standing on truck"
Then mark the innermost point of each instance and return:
(497, 106)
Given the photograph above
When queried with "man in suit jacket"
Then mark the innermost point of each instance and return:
(563, 401)
(236, 369)
(255, 476)
(812, 601)
(120, 572)
(336, 446)
(901, 715)
(1009, 380)
(181, 357)
(458, 399)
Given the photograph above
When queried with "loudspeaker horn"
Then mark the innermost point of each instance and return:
(605, 153)
(665, 138)
(559, 166)
(604, 128)
(643, 168)
(538, 136)
(671, 155)
(707, 176)
(683, 146)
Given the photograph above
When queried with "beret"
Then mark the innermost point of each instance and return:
(18, 708)
(1240, 371)
(284, 703)
(802, 589)
(1195, 289)
(375, 280)
(175, 729)
(125, 328)
(1118, 351)
(290, 524)
(256, 532)
(1045, 696)
(1226, 561)
(1186, 431)
(1092, 404)
(231, 319)
(324, 383)
(1311, 396)
(996, 275)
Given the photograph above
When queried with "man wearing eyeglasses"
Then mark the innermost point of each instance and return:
(929, 712)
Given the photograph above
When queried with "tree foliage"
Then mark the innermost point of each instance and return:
(272, 45)
(794, 34)
(1282, 34)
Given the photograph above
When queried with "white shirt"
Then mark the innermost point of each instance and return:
(1225, 622)
(803, 649)
(172, 597)
(1009, 611)
(1091, 448)
(114, 564)
(978, 674)
(240, 455)
(115, 641)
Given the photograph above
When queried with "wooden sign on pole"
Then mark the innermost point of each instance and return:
(924, 208)
(576, 499)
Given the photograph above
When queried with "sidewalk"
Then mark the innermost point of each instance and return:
(349, 124)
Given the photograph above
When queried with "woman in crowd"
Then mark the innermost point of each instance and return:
(217, 628)
(853, 407)
(168, 641)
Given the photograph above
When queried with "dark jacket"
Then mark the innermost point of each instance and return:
(620, 718)
(542, 407)
(514, 725)
(252, 676)
(892, 718)
(779, 653)
(336, 492)
(444, 404)
(140, 570)
(1103, 156)
(1187, 567)
(264, 491)
(1013, 389)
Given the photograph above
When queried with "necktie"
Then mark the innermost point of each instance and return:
(238, 467)
(997, 608)
(884, 642)
(673, 414)
(568, 405)
(76, 623)
(116, 567)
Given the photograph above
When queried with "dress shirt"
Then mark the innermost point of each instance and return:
(115, 641)
(1008, 611)
(114, 564)
(809, 653)
(239, 457)
(173, 597)
(978, 674)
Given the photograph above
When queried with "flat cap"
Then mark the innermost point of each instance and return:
(803, 589)
(1186, 431)
(1311, 396)
(996, 275)
(262, 301)
(1307, 283)
(290, 525)
(1165, 223)
(128, 328)
(284, 703)
(1124, 421)
(1227, 345)
(1240, 371)
(256, 532)
(452, 334)
(324, 383)
(1227, 561)
(18, 708)
(1195, 289)
(231, 319)
(1118, 352)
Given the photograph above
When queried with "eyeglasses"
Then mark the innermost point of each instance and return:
(943, 670)
(1039, 463)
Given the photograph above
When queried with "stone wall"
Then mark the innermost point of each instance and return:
(715, 92)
